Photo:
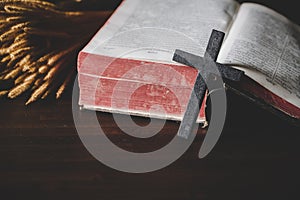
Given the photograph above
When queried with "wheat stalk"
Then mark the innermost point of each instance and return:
(38, 46)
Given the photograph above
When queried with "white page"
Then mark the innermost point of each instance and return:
(154, 29)
(268, 46)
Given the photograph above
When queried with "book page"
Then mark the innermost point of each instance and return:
(266, 46)
(154, 29)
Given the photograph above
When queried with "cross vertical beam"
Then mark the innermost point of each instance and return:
(200, 87)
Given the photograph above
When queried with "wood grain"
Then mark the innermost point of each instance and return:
(43, 157)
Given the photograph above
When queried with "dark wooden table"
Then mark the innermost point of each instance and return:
(42, 157)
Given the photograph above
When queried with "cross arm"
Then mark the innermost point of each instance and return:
(199, 63)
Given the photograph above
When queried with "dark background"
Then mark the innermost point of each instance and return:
(289, 8)
(42, 157)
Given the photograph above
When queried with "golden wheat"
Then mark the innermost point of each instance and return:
(38, 46)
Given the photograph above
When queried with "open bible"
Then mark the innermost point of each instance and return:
(127, 67)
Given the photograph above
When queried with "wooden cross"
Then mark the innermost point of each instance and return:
(207, 68)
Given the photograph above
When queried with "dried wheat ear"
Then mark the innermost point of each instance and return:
(39, 45)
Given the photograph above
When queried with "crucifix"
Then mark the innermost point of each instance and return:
(208, 72)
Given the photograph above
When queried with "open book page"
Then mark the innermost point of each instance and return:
(266, 46)
(154, 29)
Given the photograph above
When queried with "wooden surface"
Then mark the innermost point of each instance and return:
(42, 157)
